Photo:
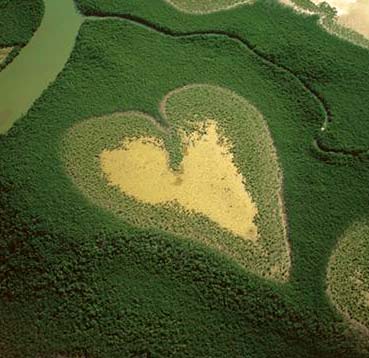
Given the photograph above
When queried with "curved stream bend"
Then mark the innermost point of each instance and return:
(39, 62)
(328, 118)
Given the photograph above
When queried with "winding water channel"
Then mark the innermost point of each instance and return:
(39, 62)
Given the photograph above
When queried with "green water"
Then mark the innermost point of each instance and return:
(39, 62)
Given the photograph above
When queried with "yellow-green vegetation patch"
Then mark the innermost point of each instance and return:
(199, 119)
(346, 19)
(4, 52)
(353, 14)
(348, 274)
(357, 18)
(206, 6)
(207, 182)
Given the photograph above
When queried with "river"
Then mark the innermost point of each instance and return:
(39, 62)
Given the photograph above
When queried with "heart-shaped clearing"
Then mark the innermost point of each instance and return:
(194, 178)
(208, 181)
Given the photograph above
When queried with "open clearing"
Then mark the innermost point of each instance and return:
(206, 6)
(348, 274)
(351, 21)
(4, 52)
(207, 182)
(353, 14)
(200, 175)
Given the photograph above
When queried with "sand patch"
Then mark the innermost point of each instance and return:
(206, 6)
(208, 182)
(4, 52)
(357, 18)
(287, 2)
(295, 7)
(353, 14)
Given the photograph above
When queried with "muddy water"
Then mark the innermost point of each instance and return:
(39, 62)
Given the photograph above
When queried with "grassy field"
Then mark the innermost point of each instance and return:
(19, 20)
(81, 278)
(348, 275)
(4, 53)
(352, 14)
(347, 21)
(140, 168)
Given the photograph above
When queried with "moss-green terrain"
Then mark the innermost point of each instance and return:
(348, 275)
(78, 278)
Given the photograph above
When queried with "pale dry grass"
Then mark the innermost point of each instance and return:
(208, 181)
(353, 14)
(357, 18)
(206, 6)
(4, 52)
(295, 7)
